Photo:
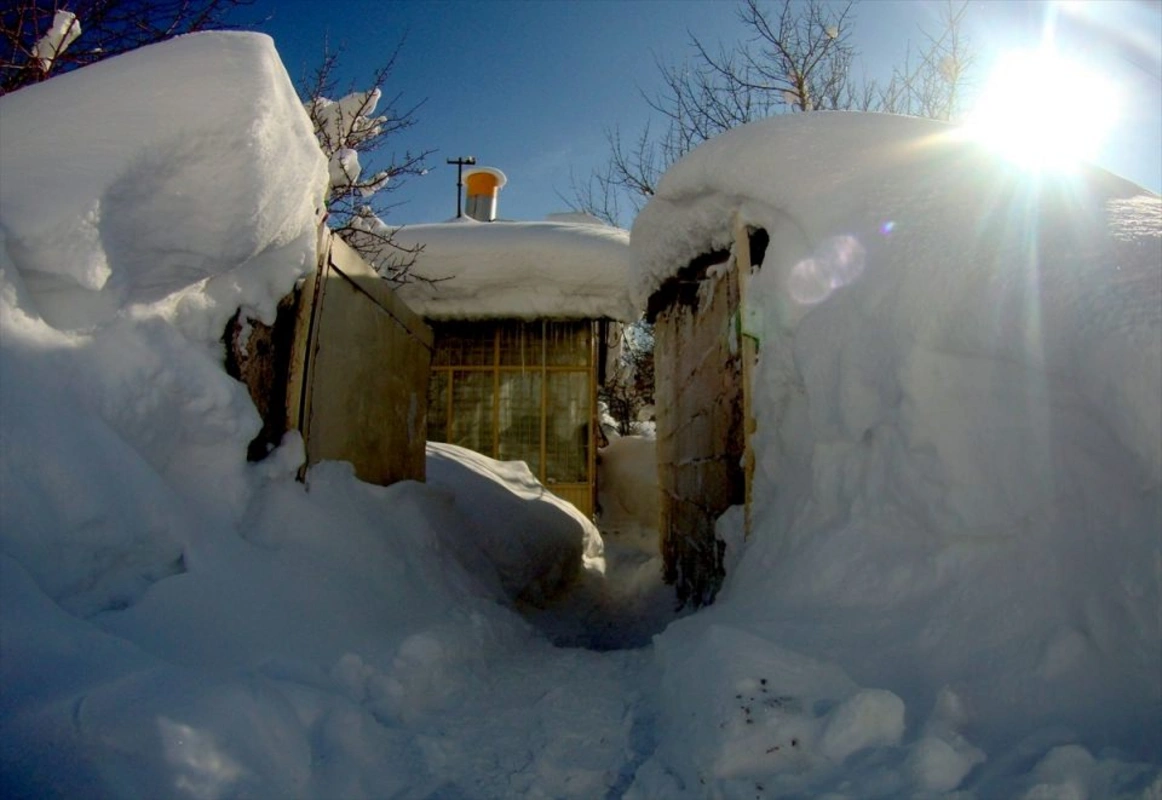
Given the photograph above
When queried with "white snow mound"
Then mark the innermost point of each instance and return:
(176, 622)
(535, 541)
(959, 410)
(112, 198)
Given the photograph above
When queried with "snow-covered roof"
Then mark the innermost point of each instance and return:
(526, 270)
(826, 174)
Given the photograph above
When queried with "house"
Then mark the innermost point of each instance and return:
(520, 313)
(908, 256)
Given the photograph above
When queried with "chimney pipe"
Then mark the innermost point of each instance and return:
(484, 184)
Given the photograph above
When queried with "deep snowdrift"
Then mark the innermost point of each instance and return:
(140, 207)
(534, 541)
(959, 409)
(177, 622)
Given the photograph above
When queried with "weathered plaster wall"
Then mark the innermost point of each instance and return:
(347, 364)
(366, 373)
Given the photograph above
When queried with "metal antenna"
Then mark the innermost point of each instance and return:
(463, 161)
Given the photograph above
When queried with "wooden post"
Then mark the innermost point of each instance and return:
(749, 347)
(594, 350)
(306, 342)
(496, 334)
(544, 476)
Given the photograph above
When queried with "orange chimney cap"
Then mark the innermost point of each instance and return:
(484, 180)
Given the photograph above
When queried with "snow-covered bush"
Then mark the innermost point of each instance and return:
(352, 129)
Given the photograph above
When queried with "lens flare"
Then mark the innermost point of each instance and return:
(838, 261)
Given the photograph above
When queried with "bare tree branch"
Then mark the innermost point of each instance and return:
(630, 385)
(107, 28)
(796, 58)
(357, 125)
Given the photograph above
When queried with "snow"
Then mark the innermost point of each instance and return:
(523, 270)
(342, 126)
(111, 199)
(958, 491)
(534, 540)
(64, 31)
(177, 622)
(628, 490)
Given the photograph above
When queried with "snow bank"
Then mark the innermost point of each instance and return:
(744, 708)
(184, 174)
(628, 490)
(524, 270)
(958, 489)
(953, 581)
(118, 197)
(283, 662)
(533, 540)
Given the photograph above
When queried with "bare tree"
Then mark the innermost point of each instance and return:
(358, 125)
(796, 58)
(39, 38)
(630, 386)
(628, 176)
(929, 82)
(799, 60)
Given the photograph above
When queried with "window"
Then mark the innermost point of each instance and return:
(518, 391)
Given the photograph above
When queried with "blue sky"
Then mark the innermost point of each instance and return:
(529, 86)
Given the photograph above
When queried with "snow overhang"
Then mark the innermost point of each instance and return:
(801, 173)
(140, 175)
(809, 178)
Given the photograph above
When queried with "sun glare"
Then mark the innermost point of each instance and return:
(1044, 111)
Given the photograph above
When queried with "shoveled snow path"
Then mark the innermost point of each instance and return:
(545, 722)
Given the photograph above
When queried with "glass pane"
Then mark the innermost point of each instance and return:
(438, 406)
(520, 344)
(567, 428)
(472, 396)
(460, 344)
(520, 418)
(568, 343)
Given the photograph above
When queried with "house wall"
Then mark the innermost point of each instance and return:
(700, 429)
(358, 388)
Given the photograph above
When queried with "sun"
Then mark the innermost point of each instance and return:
(1044, 111)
